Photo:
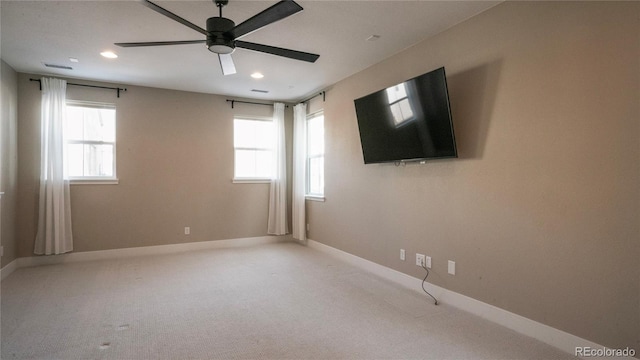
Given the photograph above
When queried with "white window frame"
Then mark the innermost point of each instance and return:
(95, 180)
(248, 180)
(308, 157)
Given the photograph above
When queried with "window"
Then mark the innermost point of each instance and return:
(90, 136)
(315, 155)
(253, 142)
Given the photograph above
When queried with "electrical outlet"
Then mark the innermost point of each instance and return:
(420, 260)
(402, 254)
(452, 267)
(428, 262)
(187, 230)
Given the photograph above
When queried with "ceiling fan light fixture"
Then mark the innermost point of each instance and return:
(221, 48)
(218, 41)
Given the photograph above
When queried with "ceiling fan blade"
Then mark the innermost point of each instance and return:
(160, 43)
(292, 54)
(276, 12)
(172, 16)
(226, 62)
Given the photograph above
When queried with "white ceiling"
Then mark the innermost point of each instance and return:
(38, 32)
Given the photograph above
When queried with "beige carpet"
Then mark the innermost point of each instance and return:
(279, 301)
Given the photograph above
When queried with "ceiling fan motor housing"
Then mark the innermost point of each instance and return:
(219, 39)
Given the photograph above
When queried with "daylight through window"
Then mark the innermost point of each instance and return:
(315, 155)
(253, 141)
(90, 135)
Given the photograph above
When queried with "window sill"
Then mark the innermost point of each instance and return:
(94, 181)
(314, 198)
(251, 181)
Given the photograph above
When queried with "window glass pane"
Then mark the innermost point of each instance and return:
(91, 124)
(316, 176)
(98, 160)
(264, 164)
(315, 136)
(245, 163)
(75, 158)
(75, 123)
(253, 164)
(315, 155)
(264, 134)
(253, 134)
(243, 134)
(99, 125)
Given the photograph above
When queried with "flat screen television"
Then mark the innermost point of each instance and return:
(410, 121)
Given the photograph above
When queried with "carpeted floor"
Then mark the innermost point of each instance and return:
(277, 301)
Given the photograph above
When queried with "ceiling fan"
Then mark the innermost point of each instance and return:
(222, 33)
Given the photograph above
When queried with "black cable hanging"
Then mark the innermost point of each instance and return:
(117, 89)
(423, 281)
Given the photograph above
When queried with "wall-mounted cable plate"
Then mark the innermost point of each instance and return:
(420, 261)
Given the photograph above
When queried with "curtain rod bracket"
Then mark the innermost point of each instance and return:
(323, 93)
(39, 82)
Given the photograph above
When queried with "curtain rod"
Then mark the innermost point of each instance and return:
(323, 93)
(233, 102)
(117, 89)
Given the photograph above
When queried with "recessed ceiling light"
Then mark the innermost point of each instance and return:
(257, 75)
(109, 54)
(73, 60)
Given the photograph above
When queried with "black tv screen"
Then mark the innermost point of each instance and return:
(410, 121)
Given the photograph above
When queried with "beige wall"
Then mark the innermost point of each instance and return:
(541, 210)
(8, 162)
(174, 163)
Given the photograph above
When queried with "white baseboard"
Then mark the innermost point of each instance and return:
(547, 334)
(8, 269)
(138, 251)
